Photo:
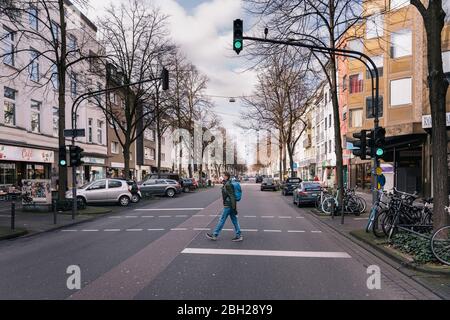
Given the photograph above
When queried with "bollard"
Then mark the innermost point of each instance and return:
(13, 215)
(54, 212)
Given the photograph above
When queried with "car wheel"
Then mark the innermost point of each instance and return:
(170, 193)
(83, 200)
(135, 198)
(124, 201)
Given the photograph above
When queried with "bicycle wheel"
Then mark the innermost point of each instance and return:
(362, 204)
(388, 223)
(377, 228)
(440, 245)
(327, 205)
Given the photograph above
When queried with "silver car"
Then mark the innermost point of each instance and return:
(160, 187)
(105, 190)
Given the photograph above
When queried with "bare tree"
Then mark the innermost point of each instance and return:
(46, 26)
(134, 37)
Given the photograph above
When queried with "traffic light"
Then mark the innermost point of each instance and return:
(380, 142)
(165, 79)
(237, 35)
(76, 154)
(62, 156)
(361, 144)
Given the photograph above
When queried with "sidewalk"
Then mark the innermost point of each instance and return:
(354, 227)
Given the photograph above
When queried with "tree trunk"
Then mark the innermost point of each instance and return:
(159, 150)
(126, 158)
(434, 23)
(62, 173)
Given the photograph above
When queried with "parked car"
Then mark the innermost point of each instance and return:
(289, 185)
(163, 175)
(259, 179)
(106, 190)
(160, 187)
(306, 193)
(269, 184)
(187, 184)
(135, 194)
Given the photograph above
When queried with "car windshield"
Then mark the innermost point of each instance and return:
(293, 180)
(311, 187)
(84, 186)
(268, 180)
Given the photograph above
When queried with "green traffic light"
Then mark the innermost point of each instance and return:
(379, 152)
(62, 162)
(237, 44)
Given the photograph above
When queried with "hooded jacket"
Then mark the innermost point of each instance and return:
(229, 201)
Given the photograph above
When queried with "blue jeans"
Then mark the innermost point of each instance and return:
(227, 212)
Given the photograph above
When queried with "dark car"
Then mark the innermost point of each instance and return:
(269, 184)
(187, 184)
(163, 175)
(306, 193)
(290, 185)
(259, 179)
(160, 187)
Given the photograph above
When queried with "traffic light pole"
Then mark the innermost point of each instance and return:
(366, 60)
(76, 103)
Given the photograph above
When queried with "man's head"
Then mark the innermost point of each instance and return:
(226, 176)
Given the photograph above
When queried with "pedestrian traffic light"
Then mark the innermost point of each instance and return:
(76, 154)
(62, 156)
(360, 144)
(380, 142)
(237, 35)
(165, 79)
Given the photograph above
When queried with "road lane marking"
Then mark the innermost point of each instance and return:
(367, 218)
(148, 216)
(90, 230)
(170, 209)
(296, 231)
(130, 216)
(285, 217)
(134, 230)
(198, 215)
(249, 216)
(111, 230)
(268, 253)
(249, 230)
(300, 217)
(267, 216)
(69, 230)
(116, 217)
(181, 216)
(213, 215)
(156, 229)
(163, 216)
(202, 229)
(178, 229)
(316, 231)
(272, 230)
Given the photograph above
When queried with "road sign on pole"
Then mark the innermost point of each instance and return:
(73, 133)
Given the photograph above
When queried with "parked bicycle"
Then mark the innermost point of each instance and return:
(352, 203)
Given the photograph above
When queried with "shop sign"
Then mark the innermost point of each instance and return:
(25, 154)
(426, 121)
(89, 160)
(36, 191)
(117, 165)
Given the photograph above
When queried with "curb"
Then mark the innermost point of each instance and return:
(399, 259)
(14, 235)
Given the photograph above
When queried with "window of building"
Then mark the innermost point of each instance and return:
(378, 60)
(54, 76)
(33, 67)
(375, 26)
(147, 153)
(55, 119)
(55, 31)
(9, 47)
(401, 43)
(149, 134)
(329, 120)
(326, 120)
(90, 130)
(72, 43)
(114, 147)
(397, 4)
(446, 63)
(356, 118)
(369, 108)
(356, 45)
(163, 140)
(325, 147)
(446, 7)
(73, 84)
(99, 132)
(356, 83)
(329, 146)
(163, 157)
(33, 17)
(35, 116)
(401, 92)
(9, 106)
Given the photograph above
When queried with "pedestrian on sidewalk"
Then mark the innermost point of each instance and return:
(229, 209)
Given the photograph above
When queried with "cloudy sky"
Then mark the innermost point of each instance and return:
(203, 30)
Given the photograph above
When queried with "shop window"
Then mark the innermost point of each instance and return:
(401, 43)
(35, 116)
(401, 92)
(369, 107)
(7, 174)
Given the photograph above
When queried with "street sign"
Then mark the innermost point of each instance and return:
(69, 133)
(381, 181)
(379, 171)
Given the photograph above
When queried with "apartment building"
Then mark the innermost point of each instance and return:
(29, 98)
(395, 40)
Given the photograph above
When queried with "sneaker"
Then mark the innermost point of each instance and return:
(211, 236)
(237, 239)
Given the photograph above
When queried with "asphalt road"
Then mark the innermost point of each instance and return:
(160, 251)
